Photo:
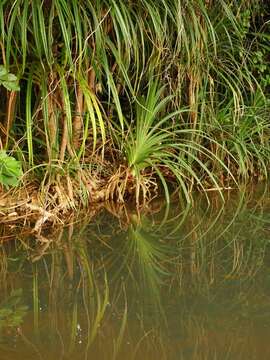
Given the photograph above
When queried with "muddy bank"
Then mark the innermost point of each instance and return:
(27, 210)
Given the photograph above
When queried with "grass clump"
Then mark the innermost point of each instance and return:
(119, 97)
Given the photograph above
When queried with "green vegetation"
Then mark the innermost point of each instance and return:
(121, 98)
(12, 311)
(10, 170)
(9, 81)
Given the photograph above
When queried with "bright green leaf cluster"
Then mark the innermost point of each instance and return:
(8, 80)
(10, 170)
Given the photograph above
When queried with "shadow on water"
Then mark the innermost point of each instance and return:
(136, 286)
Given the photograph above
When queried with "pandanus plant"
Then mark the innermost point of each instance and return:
(157, 149)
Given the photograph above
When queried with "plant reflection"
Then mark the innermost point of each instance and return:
(131, 286)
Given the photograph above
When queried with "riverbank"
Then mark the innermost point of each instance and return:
(28, 211)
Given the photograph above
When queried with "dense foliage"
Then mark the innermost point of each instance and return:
(117, 97)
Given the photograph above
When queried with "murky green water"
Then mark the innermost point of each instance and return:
(186, 284)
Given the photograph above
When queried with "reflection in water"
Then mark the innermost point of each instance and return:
(192, 285)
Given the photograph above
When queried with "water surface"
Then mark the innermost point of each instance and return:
(178, 283)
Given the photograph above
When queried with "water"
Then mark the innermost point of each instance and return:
(178, 284)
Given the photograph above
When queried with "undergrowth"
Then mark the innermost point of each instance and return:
(119, 99)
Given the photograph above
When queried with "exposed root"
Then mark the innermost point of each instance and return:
(55, 202)
(43, 216)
